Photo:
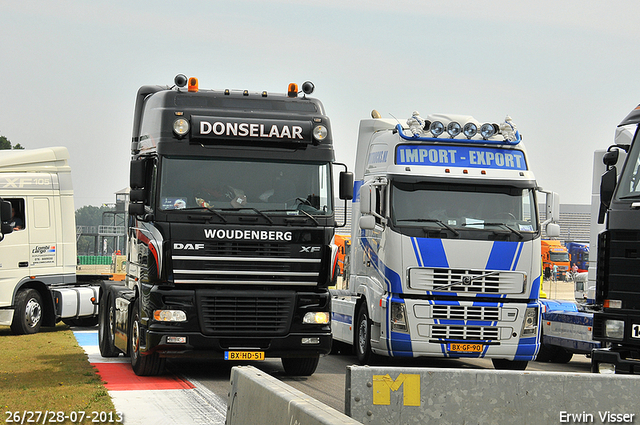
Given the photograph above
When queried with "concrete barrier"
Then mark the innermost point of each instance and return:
(395, 395)
(260, 399)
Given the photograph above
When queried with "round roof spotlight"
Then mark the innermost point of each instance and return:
(181, 127)
(180, 80)
(487, 130)
(320, 133)
(308, 87)
(454, 128)
(470, 130)
(436, 128)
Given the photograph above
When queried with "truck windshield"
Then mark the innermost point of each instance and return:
(463, 207)
(559, 257)
(227, 185)
(629, 186)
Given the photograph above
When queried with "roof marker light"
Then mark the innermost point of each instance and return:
(293, 90)
(264, 93)
(227, 92)
(470, 130)
(454, 128)
(193, 85)
(436, 128)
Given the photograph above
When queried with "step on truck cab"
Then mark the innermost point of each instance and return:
(231, 229)
(38, 281)
(445, 253)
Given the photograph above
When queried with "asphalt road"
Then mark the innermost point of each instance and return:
(328, 383)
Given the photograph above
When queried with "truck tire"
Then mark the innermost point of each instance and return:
(504, 364)
(27, 316)
(106, 327)
(296, 366)
(562, 356)
(546, 353)
(147, 365)
(362, 339)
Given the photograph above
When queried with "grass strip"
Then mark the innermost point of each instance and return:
(48, 371)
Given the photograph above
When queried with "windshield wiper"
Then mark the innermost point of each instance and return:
(505, 226)
(205, 208)
(433, 220)
(252, 209)
(310, 216)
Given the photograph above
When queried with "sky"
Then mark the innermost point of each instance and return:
(566, 72)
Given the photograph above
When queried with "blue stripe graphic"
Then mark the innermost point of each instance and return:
(432, 252)
(501, 256)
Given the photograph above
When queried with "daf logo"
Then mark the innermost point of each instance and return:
(189, 246)
(310, 249)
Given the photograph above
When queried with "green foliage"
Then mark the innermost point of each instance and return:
(6, 144)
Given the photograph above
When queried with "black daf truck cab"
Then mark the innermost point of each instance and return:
(230, 232)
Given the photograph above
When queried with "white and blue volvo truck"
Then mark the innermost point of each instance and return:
(445, 257)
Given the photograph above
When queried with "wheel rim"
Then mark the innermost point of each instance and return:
(135, 339)
(33, 312)
(110, 325)
(362, 335)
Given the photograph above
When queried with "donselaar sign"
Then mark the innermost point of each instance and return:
(250, 129)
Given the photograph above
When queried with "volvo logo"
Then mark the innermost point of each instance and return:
(466, 280)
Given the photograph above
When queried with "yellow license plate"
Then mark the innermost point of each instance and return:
(466, 348)
(244, 355)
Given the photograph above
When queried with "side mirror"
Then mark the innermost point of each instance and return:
(607, 187)
(137, 195)
(552, 230)
(365, 199)
(367, 222)
(5, 216)
(553, 206)
(610, 158)
(138, 173)
(346, 185)
(136, 209)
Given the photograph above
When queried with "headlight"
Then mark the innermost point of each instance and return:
(169, 316)
(487, 130)
(454, 128)
(398, 318)
(530, 323)
(436, 128)
(614, 329)
(470, 130)
(181, 127)
(320, 133)
(316, 318)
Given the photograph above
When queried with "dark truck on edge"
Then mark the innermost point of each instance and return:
(617, 324)
(231, 230)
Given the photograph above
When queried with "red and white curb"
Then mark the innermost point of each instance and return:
(147, 400)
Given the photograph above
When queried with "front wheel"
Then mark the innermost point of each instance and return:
(504, 364)
(142, 365)
(27, 317)
(362, 340)
(300, 366)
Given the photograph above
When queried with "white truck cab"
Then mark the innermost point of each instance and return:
(38, 284)
(445, 254)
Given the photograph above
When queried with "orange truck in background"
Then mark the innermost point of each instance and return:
(343, 242)
(554, 253)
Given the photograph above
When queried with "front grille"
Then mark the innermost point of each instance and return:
(486, 333)
(247, 262)
(460, 312)
(259, 315)
(466, 280)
